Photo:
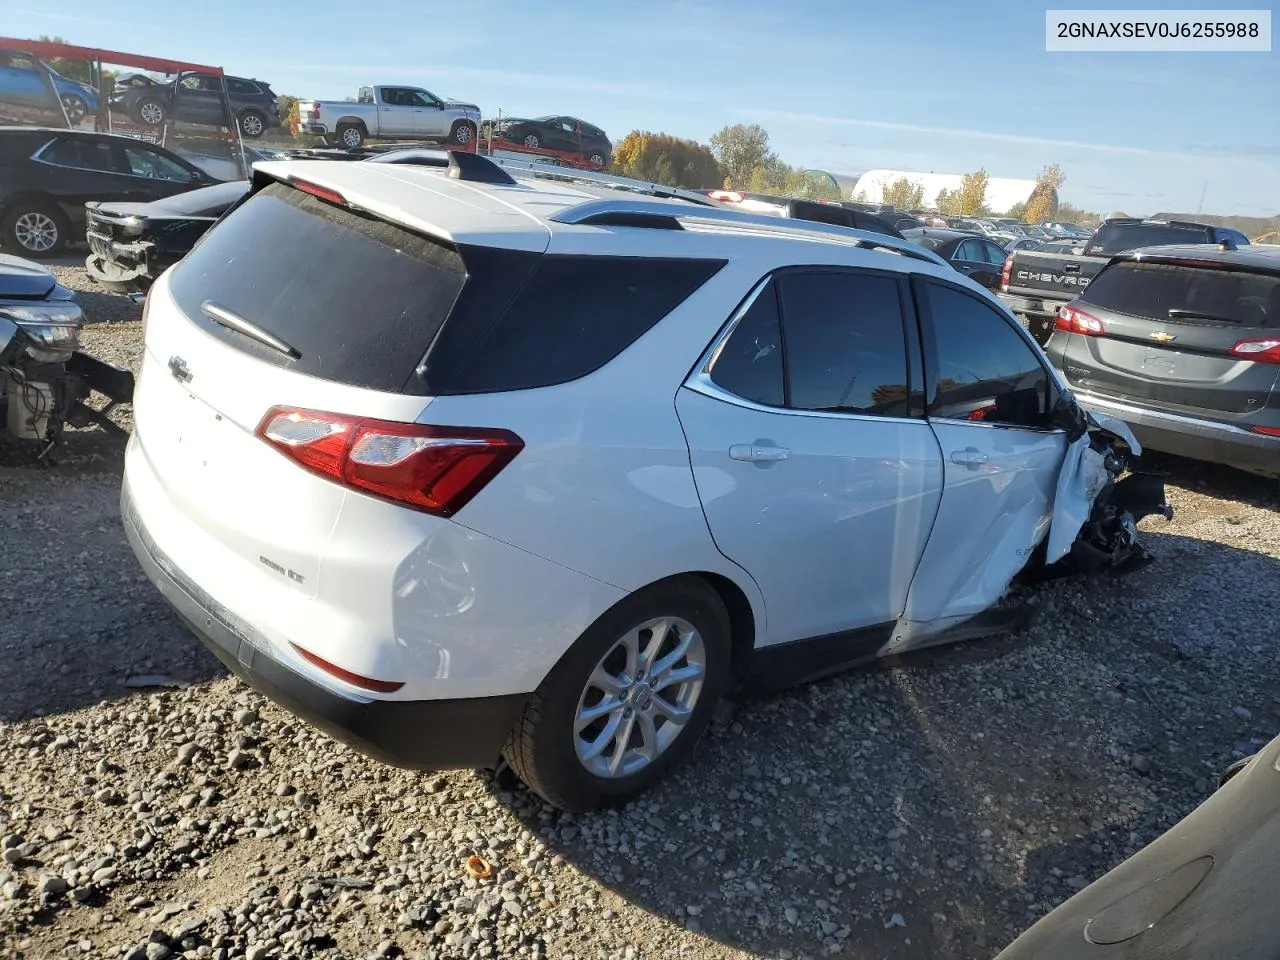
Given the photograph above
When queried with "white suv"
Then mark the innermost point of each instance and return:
(456, 464)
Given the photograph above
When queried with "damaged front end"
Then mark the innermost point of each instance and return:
(1096, 513)
(44, 377)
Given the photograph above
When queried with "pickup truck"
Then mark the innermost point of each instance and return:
(1036, 284)
(390, 113)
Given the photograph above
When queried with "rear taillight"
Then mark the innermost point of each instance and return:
(1262, 351)
(1007, 272)
(1267, 431)
(1074, 320)
(324, 193)
(434, 469)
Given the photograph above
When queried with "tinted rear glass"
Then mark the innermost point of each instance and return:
(1195, 294)
(572, 316)
(358, 298)
(1121, 237)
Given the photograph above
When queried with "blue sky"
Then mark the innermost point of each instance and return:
(843, 86)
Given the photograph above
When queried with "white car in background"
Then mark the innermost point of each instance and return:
(523, 466)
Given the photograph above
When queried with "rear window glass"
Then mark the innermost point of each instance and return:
(572, 316)
(1193, 294)
(358, 298)
(1119, 238)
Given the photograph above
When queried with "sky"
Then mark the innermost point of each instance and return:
(840, 85)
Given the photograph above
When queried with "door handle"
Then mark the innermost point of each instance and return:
(968, 457)
(758, 452)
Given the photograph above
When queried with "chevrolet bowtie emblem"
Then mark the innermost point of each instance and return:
(1163, 337)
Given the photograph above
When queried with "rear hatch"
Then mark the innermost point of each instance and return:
(1057, 276)
(350, 303)
(1179, 334)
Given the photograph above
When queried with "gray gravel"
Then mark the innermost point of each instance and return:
(932, 807)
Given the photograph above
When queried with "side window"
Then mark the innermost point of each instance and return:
(749, 364)
(845, 344)
(995, 254)
(985, 370)
(970, 250)
(393, 96)
(80, 154)
(544, 338)
(147, 163)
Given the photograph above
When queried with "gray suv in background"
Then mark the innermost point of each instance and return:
(1183, 343)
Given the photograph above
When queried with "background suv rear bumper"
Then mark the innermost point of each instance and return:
(1199, 439)
(418, 734)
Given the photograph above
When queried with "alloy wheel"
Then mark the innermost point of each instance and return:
(151, 113)
(639, 697)
(251, 125)
(36, 232)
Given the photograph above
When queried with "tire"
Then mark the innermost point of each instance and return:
(252, 124)
(34, 228)
(75, 107)
(598, 160)
(549, 751)
(463, 132)
(350, 135)
(150, 111)
(531, 140)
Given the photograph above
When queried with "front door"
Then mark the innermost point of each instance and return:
(429, 118)
(399, 113)
(989, 393)
(813, 473)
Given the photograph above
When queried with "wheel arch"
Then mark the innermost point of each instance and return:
(350, 121)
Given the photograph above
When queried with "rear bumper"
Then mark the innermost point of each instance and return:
(1209, 440)
(314, 129)
(418, 734)
(1031, 306)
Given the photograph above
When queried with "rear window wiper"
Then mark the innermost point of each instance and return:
(233, 321)
(1177, 313)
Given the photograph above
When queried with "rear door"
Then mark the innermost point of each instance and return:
(156, 174)
(396, 116)
(1168, 330)
(813, 474)
(988, 390)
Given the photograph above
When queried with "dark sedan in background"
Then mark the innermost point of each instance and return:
(47, 176)
(566, 134)
(133, 243)
(977, 257)
(1183, 344)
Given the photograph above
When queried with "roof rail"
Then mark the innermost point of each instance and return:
(611, 181)
(627, 212)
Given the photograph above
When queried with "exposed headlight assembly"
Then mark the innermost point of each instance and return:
(54, 328)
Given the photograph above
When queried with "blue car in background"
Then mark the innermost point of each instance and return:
(25, 80)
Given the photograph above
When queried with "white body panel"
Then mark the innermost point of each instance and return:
(832, 532)
(997, 506)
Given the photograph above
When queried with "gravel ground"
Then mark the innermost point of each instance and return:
(930, 807)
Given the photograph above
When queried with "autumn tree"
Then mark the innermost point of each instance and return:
(1043, 202)
(1017, 211)
(662, 158)
(903, 193)
(948, 203)
(972, 196)
(740, 149)
(1073, 214)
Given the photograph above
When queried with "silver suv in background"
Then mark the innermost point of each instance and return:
(390, 113)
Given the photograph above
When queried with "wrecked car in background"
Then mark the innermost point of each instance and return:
(44, 376)
(1205, 888)
(133, 243)
(431, 504)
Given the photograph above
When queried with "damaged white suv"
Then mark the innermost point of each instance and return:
(460, 465)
